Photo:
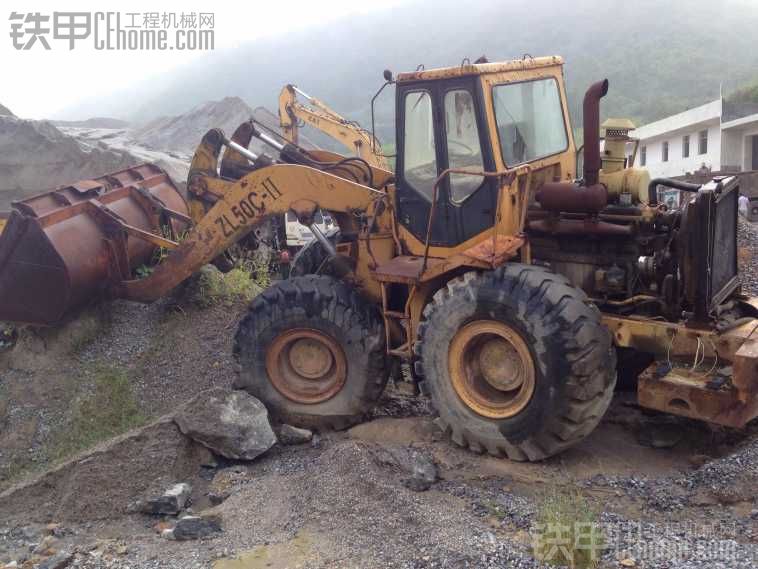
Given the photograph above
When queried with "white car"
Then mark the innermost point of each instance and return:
(298, 234)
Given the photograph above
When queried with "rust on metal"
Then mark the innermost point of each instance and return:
(708, 393)
(62, 248)
(591, 118)
(496, 251)
(491, 369)
(587, 226)
(565, 196)
(306, 365)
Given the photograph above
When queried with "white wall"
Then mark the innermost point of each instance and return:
(732, 148)
(747, 156)
(677, 165)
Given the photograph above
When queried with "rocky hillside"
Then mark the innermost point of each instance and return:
(36, 156)
(94, 122)
(183, 132)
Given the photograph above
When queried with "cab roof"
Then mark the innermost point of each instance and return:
(467, 69)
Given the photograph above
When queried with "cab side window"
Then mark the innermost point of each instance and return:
(419, 153)
(463, 147)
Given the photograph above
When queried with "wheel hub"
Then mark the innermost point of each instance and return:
(491, 368)
(306, 365)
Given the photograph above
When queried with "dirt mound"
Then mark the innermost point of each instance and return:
(35, 156)
(116, 366)
(184, 132)
(94, 122)
(103, 482)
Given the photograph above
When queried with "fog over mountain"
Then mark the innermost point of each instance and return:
(657, 63)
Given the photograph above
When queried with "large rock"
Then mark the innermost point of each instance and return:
(171, 501)
(233, 424)
(195, 527)
(289, 435)
(418, 465)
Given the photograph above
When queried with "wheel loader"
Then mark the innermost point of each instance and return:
(510, 282)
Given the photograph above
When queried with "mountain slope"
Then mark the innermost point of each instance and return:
(659, 61)
(35, 156)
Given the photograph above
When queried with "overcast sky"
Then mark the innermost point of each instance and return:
(37, 83)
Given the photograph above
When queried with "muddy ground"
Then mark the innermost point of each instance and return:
(337, 501)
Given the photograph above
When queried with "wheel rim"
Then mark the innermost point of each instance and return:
(491, 369)
(306, 366)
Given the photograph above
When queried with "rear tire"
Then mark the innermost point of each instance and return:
(564, 370)
(313, 351)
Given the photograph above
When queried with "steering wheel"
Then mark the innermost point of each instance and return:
(468, 150)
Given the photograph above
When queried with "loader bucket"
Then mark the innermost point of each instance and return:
(60, 249)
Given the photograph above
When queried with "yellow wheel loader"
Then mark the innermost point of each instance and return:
(509, 281)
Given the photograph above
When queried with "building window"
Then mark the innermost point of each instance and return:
(702, 144)
(665, 151)
(686, 146)
(643, 155)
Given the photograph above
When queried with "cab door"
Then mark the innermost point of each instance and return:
(441, 125)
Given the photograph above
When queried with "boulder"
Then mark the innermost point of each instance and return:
(420, 468)
(195, 527)
(58, 561)
(233, 424)
(171, 502)
(289, 435)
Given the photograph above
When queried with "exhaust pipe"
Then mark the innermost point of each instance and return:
(591, 123)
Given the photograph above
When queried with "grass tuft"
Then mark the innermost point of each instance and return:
(568, 532)
(106, 411)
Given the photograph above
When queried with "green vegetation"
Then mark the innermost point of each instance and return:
(211, 287)
(746, 94)
(259, 270)
(568, 531)
(107, 410)
(87, 328)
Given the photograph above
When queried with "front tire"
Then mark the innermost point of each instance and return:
(313, 351)
(517, 362)
(312, 258)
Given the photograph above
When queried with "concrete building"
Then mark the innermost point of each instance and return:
(720, 137)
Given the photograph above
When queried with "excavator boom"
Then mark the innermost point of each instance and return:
(321, 117)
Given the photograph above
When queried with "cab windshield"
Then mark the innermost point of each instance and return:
(529, 119)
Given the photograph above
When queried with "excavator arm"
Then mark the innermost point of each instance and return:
(320, 116)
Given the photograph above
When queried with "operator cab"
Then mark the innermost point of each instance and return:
(480, 117)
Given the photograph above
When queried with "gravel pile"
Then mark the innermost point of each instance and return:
(747, 243)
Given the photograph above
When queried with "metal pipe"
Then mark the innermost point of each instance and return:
(652, 188)
(241, 149)
(301, 92)
(324, 240)
(271, 141)
(591, 122)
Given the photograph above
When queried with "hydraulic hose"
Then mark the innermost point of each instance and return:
(652, 188)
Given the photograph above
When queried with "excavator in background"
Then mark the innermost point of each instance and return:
(293, 115)
(508, 280)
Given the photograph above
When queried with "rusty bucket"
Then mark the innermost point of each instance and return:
(60, 249)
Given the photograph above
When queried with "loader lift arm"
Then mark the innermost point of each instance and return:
(243, 205)
(320, 116)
